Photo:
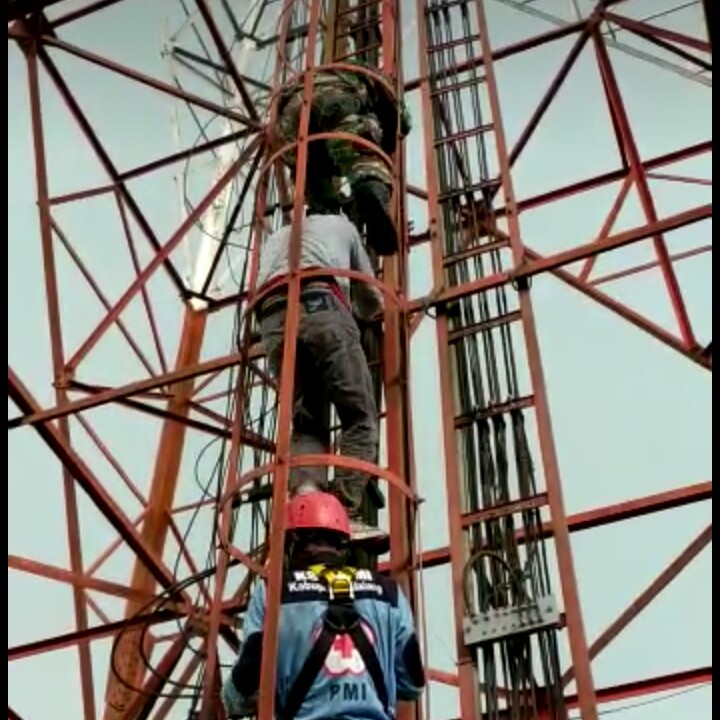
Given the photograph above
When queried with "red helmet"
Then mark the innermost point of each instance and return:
(317, 511)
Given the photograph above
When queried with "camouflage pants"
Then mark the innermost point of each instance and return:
(334, 110)
(330, 369)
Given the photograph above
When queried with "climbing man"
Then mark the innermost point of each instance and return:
(355, 103)
(331, 367)
(347, 646)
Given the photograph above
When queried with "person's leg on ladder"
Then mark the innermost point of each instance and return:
(311, 414)
(333, 338)
(370, 180)
(311, 425)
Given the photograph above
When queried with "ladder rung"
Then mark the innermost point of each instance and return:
(464, 134)
(476, 328)
(445, 89)
(368, 48)
(512, 507)
(467, 419)
(469, 189)
(358, 8)
(362, 27)
(449, 4)
(450, 44)
(475, 251)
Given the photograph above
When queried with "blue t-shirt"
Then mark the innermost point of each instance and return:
(343, 690)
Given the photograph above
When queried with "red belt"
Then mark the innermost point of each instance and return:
(329, 283)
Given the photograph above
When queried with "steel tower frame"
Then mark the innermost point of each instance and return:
(36, 27)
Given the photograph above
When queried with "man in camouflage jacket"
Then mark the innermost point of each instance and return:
(357, 104)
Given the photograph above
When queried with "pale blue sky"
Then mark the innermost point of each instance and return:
(631, 417)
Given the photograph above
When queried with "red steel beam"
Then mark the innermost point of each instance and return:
(268, 666)
(58, 360)
(653, 228)
(225, 522)
(551, 93)
(95, 490)
(644, 267)
(228, 61)
(556, 504)
(598, 181)
(608, 224)
(151, 167)
(156, 523)
(649, 686)
(79, 581)
(183, 155)
(184, 680)
(143, 79)
(679, 681)
(112, 461)
(648, 30)
(587, 288)
(527, 268)
(147, 699)
(595, 182)
(630, 150)
(71, 639)
(501, 53)
(100, 295)
(159, 258)
(106, 161)
(639, 604)
(73, 15)
(144, 294)
(178, 375)
(599, 517)
(628, 314)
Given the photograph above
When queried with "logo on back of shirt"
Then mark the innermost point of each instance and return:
(306, 582)
(343, 658)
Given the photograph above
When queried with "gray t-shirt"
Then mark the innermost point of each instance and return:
(328, 241)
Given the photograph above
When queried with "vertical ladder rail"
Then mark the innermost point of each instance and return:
(587, 700)
(492, 491)
(467, 670)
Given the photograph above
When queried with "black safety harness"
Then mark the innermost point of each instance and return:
(341, 618)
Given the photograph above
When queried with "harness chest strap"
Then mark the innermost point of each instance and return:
(341, 618)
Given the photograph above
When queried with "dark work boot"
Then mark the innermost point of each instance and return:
(372, 199)
(349, 208)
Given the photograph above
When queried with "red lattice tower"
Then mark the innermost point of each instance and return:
(529, 126)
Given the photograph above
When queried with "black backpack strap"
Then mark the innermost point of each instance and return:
(315, 660)
(307, 675)
(372, 664)
(340, 618)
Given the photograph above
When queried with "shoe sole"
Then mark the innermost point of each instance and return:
(377, 544)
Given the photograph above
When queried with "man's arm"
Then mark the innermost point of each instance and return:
(240, 688)
(367, 298)
(409, 670)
